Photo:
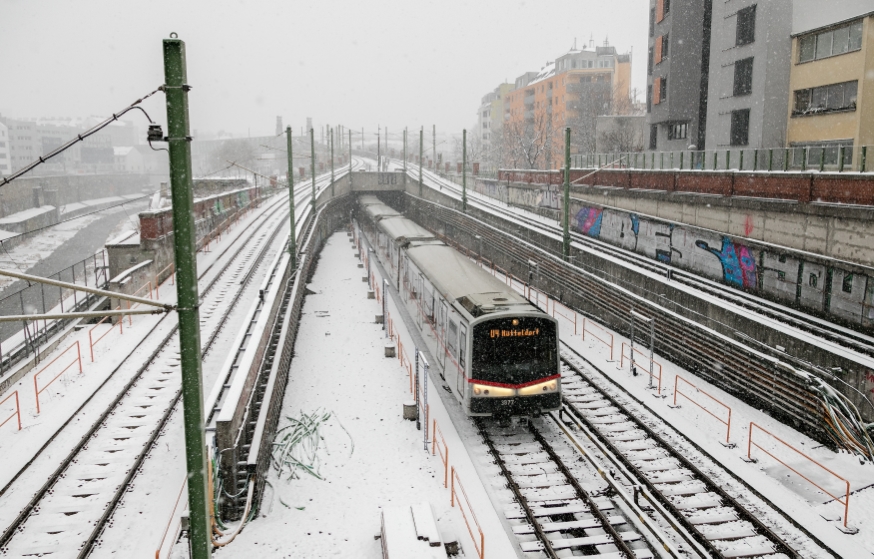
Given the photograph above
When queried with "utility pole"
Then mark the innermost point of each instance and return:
(378, 146)
(292, 243)
(566, 236)
(421, 138)
(434, 144)
(405, 152)
(176, 91)
(332, 162)
(313, 166)
(464, 170)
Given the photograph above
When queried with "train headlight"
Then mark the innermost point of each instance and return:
(548, 387)
(492, 391)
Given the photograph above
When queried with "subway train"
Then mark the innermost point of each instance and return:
(497, 352)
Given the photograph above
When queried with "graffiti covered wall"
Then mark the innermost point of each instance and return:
(780, 275)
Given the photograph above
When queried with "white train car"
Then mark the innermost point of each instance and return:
(496, 350)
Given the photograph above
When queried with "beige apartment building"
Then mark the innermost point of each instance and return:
(831, 84)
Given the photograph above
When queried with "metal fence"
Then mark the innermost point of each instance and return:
(823, 157)
(21, 339)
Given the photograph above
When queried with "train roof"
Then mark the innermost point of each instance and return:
(459, 279)
(380, 211)
(368, 199)
(400, 228)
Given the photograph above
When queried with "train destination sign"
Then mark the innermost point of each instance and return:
(514, 333)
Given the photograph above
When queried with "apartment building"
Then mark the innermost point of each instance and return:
(490, 119)
(571, 91)
(678, 69)
(831, 82)
(750, 52)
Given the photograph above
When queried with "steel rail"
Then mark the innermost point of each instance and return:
(786, 315)
(65, 463)
(780, 545)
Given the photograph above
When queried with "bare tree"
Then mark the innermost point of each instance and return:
(621, 133)
(528, 143)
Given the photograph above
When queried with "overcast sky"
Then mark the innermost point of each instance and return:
(352, 62)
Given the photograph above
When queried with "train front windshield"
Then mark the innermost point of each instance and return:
(514, 350)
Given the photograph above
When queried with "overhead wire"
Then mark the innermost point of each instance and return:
(81, 137)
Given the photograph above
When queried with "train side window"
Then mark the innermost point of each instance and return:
(462, 344)
(452, 337)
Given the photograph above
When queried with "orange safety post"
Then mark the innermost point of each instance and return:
(92, 342)
(633, 362)
(444, 452)
(17, 411)
(750, 444)
(172, 278)
(727, 423)
(480, 549)
(38, 390)
(605, 333)
(561, 314)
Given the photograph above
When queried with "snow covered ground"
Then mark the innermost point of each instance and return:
(368, 458)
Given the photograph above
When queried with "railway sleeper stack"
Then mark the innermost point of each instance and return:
(683, 340)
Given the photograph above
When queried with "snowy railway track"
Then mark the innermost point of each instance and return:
(553, 513)
(715, 516)
(66, 515)
(837, 334)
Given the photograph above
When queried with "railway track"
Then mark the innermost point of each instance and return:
(553, 513)
(716, 515)
(67, 514)
(810, 324)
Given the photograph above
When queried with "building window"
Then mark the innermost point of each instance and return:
(740, 127)
(847, 38)
(743, 77)
(826, 98)
(678, 131)
(649, 62)
(653, 136)
(667, 6)
(746, 26)
(663, 89)
(649, 98)
(652, 22)
(666, 45)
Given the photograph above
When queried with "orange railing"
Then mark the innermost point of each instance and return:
(725, 422)
(172, 278)
(480, 546)
(92, 342)
(634, 362)
(750, 444)
(78, 359)
(16, 413)
(555, 312)
(604, 333)
(444, 450)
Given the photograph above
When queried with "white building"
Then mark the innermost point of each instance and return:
(5, 160)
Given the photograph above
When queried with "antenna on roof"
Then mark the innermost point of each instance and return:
(592, 40)
(575, 43)
(606, 41)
